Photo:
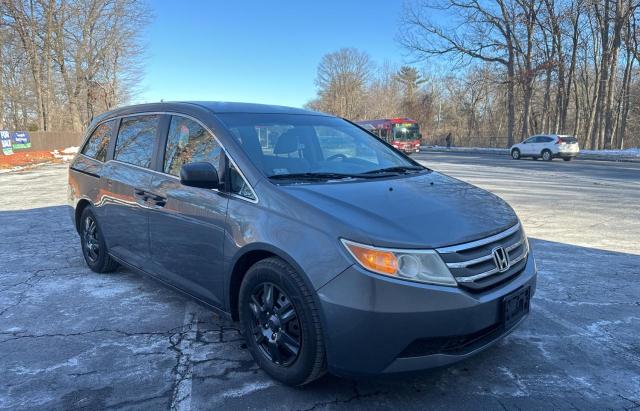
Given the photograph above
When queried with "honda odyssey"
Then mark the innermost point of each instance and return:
(333, 250)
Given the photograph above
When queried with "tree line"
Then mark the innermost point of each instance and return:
(62, 62)
(501, 70)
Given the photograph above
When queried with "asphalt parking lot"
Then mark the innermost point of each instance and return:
(73, 339)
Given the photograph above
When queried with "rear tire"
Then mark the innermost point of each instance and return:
(281, 323)
(567, 158)
(515, 154)
(546, 155)
(94, 247)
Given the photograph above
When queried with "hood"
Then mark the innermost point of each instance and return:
(427, 210)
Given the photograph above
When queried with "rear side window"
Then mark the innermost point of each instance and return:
(188, 142)
(98, 143)
(546, 139)
(135, 140)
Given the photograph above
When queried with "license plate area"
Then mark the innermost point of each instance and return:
(515, 306)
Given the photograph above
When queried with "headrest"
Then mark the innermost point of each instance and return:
(287, 143)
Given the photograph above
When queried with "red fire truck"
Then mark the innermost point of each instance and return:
(402, 133)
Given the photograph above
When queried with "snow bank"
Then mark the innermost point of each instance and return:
(629, 154)
(66, 154)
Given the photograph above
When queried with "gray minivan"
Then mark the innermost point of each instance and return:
(333, 250)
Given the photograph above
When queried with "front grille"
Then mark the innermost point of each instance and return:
(475, 265)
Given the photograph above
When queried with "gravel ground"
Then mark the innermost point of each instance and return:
(70, 338)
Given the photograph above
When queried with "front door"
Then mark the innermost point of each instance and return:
(124, 182)
(187, 224)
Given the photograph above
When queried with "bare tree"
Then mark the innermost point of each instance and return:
(82, 57)
(476, 31)
(566, 65)
(342, 81)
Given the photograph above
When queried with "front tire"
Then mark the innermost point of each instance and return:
(281, 323)
(515, 154)
(546, 155)
(94, 247)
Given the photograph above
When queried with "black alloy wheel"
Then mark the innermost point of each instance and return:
(90, 238)
(280, 322)
(94, 247)
(275, 327)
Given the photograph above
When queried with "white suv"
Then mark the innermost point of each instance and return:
(547, 147)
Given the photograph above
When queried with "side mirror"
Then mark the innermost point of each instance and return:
(201, 175)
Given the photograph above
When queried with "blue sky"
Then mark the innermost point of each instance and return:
(258, 51)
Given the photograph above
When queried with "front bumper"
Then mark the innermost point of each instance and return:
(375, 324)
(408, 149)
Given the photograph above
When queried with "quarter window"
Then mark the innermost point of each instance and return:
(98, 143)
(188, 142)
(136, 138)
(238, 185)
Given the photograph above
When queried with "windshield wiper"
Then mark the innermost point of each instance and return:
(313, 176)
(395, 169)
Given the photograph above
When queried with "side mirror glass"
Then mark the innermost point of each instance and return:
(201, 175)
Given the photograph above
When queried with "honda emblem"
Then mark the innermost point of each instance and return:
(501, 258)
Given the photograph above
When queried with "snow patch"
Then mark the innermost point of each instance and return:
(247, 389)
(71, 150)
(66, 154)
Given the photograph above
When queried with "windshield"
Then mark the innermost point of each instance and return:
(406, 131)
(304, 145)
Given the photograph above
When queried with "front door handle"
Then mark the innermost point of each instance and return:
(140, 193)
(146, 196)
(157, 200)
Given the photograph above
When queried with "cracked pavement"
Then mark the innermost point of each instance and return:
(73, 339)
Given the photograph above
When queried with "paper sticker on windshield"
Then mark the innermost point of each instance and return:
(280, 171)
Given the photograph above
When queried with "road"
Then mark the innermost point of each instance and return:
(70, 338)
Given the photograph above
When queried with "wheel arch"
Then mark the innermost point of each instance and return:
(247, 257)
(80, 206)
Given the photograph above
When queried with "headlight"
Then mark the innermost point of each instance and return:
(424, 266)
